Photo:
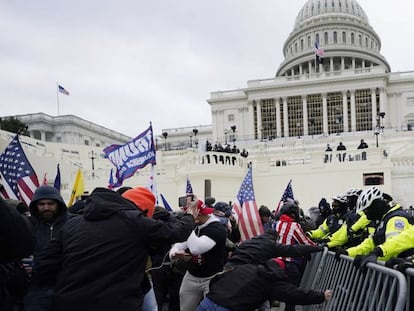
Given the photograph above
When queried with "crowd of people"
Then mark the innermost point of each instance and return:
(118, 250)
(218, 147)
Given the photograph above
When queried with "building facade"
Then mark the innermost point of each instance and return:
(285, 123)
(70, 129)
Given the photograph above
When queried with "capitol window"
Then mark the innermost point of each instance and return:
(343, 37)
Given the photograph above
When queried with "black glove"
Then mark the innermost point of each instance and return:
(307, 249)
(357, 261)
(405, 265)
(394, 261)
(318, 248)
(340, 251)
(364, 261)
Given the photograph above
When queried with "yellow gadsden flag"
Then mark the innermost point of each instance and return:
(78, 187)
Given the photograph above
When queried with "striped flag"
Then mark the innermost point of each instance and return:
(287, 196)
(319, 52)
(45, 182)
(245, 207)
(19, 180)
(62, 90)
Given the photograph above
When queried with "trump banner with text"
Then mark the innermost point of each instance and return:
(133, 155)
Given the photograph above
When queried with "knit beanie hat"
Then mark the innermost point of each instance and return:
(143, 198)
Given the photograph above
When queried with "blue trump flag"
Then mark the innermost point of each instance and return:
(133, 155)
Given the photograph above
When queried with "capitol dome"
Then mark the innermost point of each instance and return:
(342, 30)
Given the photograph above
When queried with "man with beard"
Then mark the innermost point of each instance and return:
(48, 215)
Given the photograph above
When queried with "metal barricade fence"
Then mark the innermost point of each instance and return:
(380, 288)
(410, 278)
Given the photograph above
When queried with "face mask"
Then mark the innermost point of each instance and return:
(376, 210)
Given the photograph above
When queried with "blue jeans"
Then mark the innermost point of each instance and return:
(209, 305)
(150, 303)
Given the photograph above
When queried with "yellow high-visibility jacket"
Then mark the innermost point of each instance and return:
(400, 243)
(340, 237)
(393, 223)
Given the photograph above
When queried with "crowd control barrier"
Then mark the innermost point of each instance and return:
(379, 288)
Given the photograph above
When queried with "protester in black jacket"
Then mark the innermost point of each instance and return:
(16, 242)
(263, 247)
(256, 284)
(98, 260)
(48, 215)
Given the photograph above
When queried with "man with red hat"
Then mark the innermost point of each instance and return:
(205, 249)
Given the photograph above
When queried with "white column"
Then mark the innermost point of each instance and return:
(300, 69)
(374, 108)
(343, 63)
(305, 116)
(249, 132)
(345, 111)
(331, 63)
(43, 135)
(278, 125)
(259, 118)
(325, 113)
(353, 113)
(353, 62)
(285, 117)
(310, 67)
(384, 107)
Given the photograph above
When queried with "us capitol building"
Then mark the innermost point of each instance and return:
(284, 123)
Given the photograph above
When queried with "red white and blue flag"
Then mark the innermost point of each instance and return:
(245, 207)
(62, 90)
(19, 180)
(286, 197)
(319, 52)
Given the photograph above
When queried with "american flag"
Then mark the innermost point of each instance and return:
(188, 188)
(63, 90)
(245, 207)
(319, 52)
(18, 178)
(287, 196)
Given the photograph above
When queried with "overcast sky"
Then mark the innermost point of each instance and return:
(126, 63)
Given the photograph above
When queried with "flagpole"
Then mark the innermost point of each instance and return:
(57, 97)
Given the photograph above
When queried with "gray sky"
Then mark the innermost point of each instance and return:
(126, 63)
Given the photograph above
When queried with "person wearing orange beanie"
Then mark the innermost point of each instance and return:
(142, 198)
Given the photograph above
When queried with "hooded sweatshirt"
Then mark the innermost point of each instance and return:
(99, 258)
